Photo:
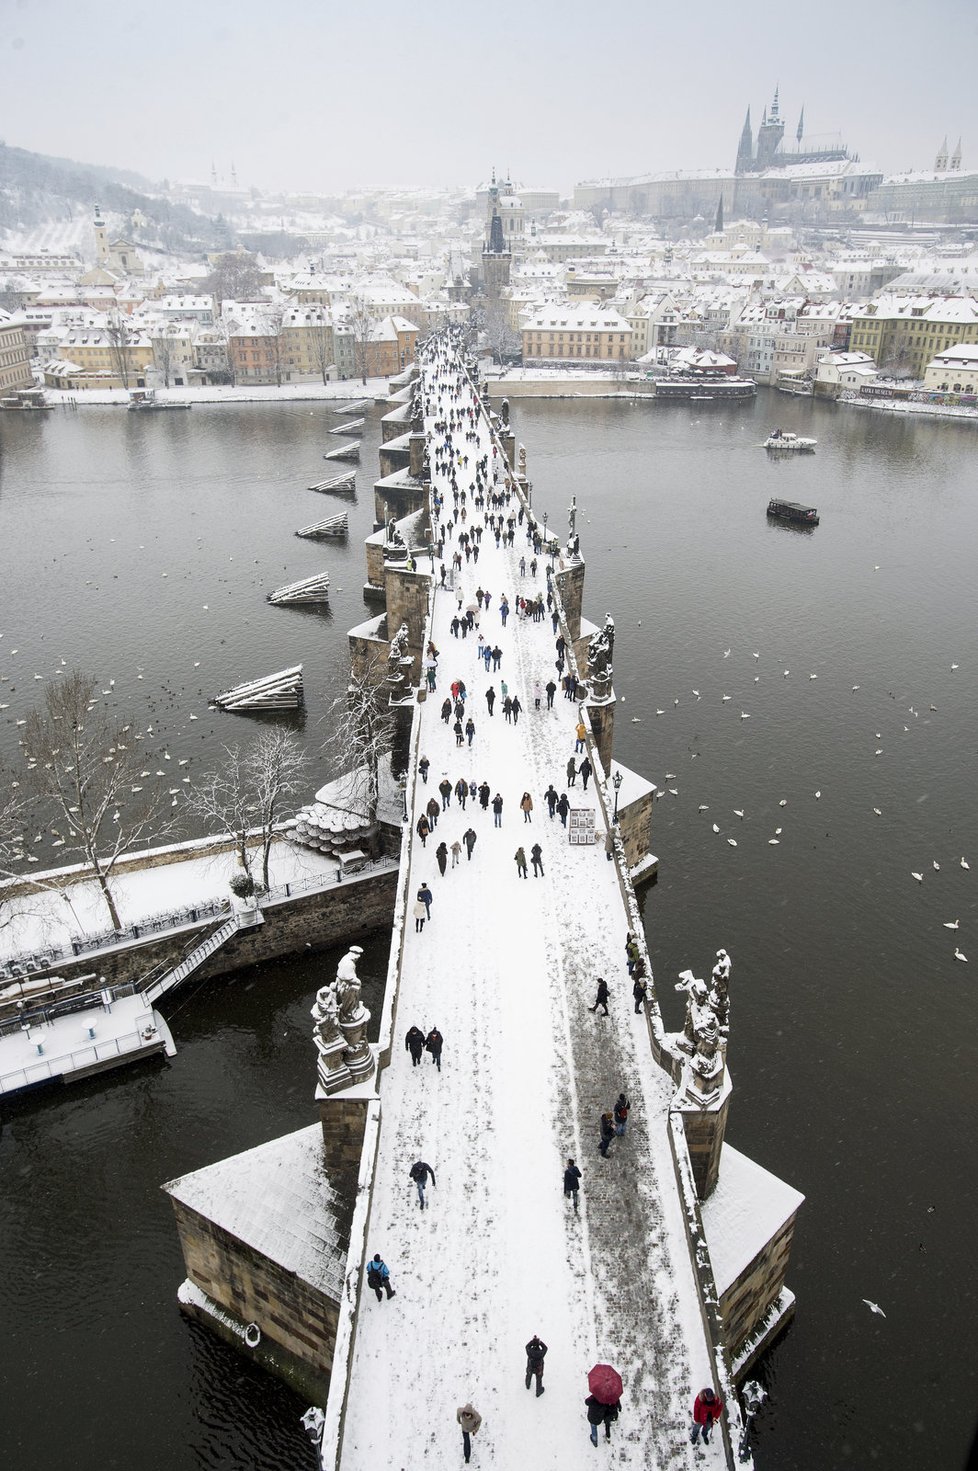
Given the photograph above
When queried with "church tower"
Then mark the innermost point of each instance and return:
(497, 257)
(955, 163)
(940, 162)
(101, 238)
(745, 149)
(769, 134)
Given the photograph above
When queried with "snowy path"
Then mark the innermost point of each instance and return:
(506, 969)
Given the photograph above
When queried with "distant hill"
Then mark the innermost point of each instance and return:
(35, 189)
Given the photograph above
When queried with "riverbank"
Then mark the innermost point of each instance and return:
(342, 392)
(904, 406)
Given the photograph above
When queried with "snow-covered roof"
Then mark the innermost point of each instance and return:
(278, 1200)
(576, 316)
(964, 354)
(747, 1208)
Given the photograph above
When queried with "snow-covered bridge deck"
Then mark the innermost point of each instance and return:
(506, 970)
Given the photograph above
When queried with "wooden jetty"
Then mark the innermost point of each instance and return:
(309, 590)
(344, 484)
(343, 452)
(336, 526)
(360, 407)
(281, 691)
(352, 426)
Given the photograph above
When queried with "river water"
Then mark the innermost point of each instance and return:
(852, 1048)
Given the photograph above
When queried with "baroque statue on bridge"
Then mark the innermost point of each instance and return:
(347, 985)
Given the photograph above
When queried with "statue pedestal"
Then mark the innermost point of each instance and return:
(356, 1054)
(332, 1071)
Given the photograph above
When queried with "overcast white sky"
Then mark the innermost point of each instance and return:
(324, 96)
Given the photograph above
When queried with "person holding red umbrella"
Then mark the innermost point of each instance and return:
(604, 1401)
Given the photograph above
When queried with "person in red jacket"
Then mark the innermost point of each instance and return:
(707, 1409)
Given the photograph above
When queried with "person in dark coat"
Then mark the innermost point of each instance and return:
(563, 807)
(414, 1042)
(379, 1277)
(469, 839)
(517, 707)
(470, 730)
(462, 792)
(419, 1173)
(571, 771)
(433, 1043)
(426, 896)
(551, 689)
(497, 657)
(607, 1134)
(601, 999)
(423, 829)
(459, 733)
(550, 797)
(601, 1414)
(520, 857)
(572, 1182)
(446, 710)
(621, 1115)
(484, 793)
(497, 811)
(490, 698)
(423, 765)
(508, 708)
(441, 858)
(432, 809)
(536, 853)
(584, 771)
(707, 1409)
(445, 787)
(536, 1352)
(640, 992)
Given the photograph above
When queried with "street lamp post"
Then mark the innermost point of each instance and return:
(616, 782)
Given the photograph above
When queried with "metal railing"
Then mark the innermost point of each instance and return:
(70, 1062)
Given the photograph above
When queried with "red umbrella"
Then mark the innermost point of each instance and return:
(605, 1384)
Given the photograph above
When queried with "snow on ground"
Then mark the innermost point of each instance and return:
(34, 922)
(343, 392)
(506, 970)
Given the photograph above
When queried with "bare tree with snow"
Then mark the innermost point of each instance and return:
(362, 322)
(361, 726)
(85, 770)
(248, 792)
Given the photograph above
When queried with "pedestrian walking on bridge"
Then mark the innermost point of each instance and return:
(470, 1420)
(379, 1277)
(414, 1042)
(536, 1352)
(521, 863)
(572, 1182)
(433, 1044)
(536, 854)
(419, 1173)
(601, 999)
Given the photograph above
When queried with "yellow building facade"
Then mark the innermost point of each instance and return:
(907, 332)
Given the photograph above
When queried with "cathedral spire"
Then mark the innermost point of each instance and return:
(745, 149)
(801, 126)
(956, 156)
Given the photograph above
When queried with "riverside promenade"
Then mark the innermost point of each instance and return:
(506, 968)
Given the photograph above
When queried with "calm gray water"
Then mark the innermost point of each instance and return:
(852, 1051)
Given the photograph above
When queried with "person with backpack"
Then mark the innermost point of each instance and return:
(572, 1182)
(414, 1042)
(707, 1409)
(433, 1044)
(419, 1173)
(536, 1352)
(621, 1115)
(379, 1278)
